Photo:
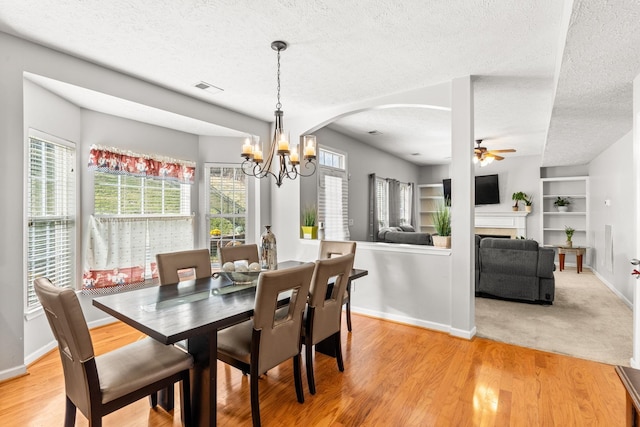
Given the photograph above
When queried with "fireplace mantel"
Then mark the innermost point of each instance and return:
(513, 223)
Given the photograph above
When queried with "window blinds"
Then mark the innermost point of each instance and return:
(51, 212)
(333, 203)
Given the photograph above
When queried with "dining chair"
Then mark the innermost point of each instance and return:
(171, 264)
(332, 248)
(323, 316)
(248, 252)
(99, 385)
(267, 340)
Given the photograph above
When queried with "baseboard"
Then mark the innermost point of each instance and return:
(101, 322)
(30, 358)
(612, 289)
(460, 333)
(16, 371)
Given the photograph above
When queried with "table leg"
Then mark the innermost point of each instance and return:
(579, 263)
(561, 258)
(204, 379)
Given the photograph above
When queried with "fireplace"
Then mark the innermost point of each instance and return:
(501, 224)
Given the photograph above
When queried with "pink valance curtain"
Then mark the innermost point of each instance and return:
(113, 160)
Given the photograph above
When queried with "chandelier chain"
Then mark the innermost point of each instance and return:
(278, 105)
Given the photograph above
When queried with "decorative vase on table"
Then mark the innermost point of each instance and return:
(268, 250)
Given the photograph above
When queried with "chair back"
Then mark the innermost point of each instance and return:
(238, 252)
(170, 263)
(279, 334)
(325, 311)
(333, 248)
(70, 329)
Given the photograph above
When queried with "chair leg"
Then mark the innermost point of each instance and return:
(349, 314)
(185, 399)
(153, 399)
(297, 377)
(308, 352)
(255, 402)
(338, 347)
(69, 413)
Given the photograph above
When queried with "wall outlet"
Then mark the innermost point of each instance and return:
(350, 222)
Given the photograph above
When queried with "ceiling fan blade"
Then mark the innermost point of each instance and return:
(497, 157)
(506, 150)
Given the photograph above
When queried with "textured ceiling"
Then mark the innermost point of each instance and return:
(343, 52)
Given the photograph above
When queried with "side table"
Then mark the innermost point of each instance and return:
(579, 250)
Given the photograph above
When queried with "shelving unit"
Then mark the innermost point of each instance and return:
(429, 197)
(576, 189)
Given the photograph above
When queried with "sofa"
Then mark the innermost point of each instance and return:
(404, 234)
(514, 269)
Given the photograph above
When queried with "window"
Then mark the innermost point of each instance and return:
(333, 192)
(51, 212)
(134, 195)
(382, 196)
(142, 207)
(406, 205)
(227, 198)
(393, 202)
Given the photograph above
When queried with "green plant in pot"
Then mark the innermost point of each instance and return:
(569, 232)
(528, 202)
(442, 225)
(518, 197)
(562, 204)
(309, 218)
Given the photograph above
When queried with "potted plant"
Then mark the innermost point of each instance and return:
(517, 197)
(442, 225)
(562, 204)
(528, 201)
(569, 232)
(309, 227)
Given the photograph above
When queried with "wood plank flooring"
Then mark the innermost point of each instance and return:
(395, 375)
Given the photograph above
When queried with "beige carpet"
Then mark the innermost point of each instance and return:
(586, 320)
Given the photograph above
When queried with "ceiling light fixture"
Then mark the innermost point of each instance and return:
(288, 154)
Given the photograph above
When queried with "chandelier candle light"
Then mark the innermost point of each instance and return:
(288, 154)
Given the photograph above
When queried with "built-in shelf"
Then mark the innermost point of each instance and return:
(553, 223)
(429, 198)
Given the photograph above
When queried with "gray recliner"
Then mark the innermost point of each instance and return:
(514, 269)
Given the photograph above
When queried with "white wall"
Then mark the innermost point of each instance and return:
(611, 175)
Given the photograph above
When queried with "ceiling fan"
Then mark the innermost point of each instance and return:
(484, 156)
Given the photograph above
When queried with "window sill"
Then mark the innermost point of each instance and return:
(33, 313)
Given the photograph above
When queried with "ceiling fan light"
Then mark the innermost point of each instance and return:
(475, 160)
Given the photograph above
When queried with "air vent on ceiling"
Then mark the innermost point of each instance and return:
(208, 87)
(374, 132)
(415, 154)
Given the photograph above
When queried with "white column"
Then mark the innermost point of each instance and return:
(462, 210)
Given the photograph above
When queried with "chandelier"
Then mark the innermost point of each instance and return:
(285, 153)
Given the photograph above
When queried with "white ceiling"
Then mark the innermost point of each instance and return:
(551, 78)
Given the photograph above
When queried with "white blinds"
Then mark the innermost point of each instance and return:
(51, 213)
(382, 196)
(333, 203)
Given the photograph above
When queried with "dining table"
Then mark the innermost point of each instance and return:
(193, 310)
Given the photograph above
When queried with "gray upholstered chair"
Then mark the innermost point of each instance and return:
(331, 248)
(238, 252)
(323, 317)
(169, 264)
(267, 340)
(99, 385)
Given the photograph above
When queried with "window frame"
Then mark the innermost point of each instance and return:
(33, 309)
(206, 232)
(341, 172)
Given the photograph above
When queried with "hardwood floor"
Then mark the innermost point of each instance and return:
(395, 375)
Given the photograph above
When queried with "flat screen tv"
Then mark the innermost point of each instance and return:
(487, 191)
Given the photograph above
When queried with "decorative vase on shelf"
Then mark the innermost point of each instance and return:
(268, 250)
(562, 208)
(568, 244)
(528, 208)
